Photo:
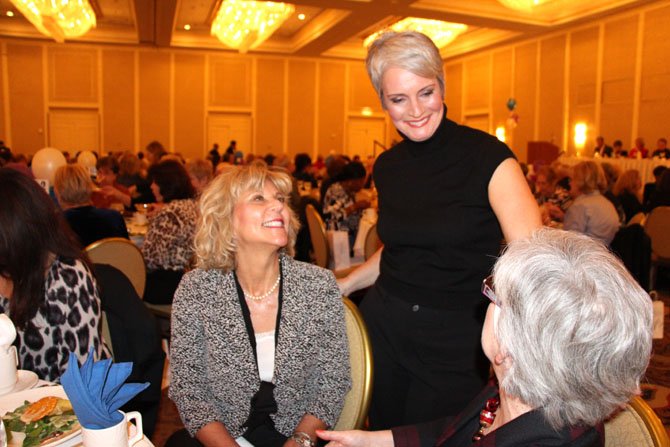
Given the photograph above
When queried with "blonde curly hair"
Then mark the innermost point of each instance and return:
(214, 238)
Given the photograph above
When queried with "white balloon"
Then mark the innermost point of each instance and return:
(87, 159)
(46, 161)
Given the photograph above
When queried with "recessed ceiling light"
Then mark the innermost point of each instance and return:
(301, 16)
(10, 13)
(187, 27)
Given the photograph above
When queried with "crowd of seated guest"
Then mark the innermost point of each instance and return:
(639, 149)
(168, 247)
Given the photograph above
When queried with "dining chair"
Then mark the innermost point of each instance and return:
(122, 254)
(317, 233)
(638, 218)
(636, 425)
(656, 226)
(357, 401)
(372, 242)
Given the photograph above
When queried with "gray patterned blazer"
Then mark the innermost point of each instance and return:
(213, 370)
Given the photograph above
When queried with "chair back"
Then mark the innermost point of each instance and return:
(317, 233)
(106, 334)
(638, 218)
(372, 242)
(357, 400)
(122, 254)
(656, 226)
(636, 425)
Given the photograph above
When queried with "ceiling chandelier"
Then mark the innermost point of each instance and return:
(522, 5)
(245, 24)
(59, 19)
(441, 33)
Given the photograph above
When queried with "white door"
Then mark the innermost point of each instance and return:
(361, 135)
(224, 127)
(74, 130)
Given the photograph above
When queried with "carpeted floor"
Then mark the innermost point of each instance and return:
(656, 390)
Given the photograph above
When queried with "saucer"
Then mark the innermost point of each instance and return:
(26, 380)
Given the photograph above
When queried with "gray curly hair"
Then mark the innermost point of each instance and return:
(574, 325)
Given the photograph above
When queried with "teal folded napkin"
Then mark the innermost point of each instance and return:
(97, 390)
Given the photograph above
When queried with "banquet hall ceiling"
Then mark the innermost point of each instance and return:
(332, 28)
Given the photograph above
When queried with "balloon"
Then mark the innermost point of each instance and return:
(46, 161)
(511, 104)
(87, 159)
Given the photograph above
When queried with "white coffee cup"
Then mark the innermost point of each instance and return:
(8, 374)
(116, 436)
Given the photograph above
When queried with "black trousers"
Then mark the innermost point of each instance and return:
(428, 362)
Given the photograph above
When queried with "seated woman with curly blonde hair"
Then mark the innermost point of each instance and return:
(259, 350)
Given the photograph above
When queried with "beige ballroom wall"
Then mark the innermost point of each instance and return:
(613, 74)
(144, 94)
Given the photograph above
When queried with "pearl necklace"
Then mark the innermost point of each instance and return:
(265, 295)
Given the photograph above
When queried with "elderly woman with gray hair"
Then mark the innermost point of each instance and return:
(568, 333)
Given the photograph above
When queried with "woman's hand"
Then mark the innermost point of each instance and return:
(364, 276)
(357, 438)
(113, 193)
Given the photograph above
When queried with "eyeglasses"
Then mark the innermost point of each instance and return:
(489, 292)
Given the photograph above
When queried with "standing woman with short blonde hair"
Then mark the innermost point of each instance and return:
(448, 194)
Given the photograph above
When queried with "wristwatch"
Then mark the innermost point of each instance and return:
(302, 439)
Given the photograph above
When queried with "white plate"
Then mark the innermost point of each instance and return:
(26, 380)
(10, 401)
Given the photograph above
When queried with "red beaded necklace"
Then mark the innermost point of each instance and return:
(487, 416)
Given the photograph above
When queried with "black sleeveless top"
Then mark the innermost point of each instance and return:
(440, 234)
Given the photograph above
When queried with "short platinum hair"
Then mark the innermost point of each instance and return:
(409, 50)
(574, 326)
(214, 240)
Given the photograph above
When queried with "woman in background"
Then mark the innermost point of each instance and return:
(46, 286)
(201, 173)
(73, 187)
(259, 350)
(168, 247)
(627, 191)
(661, 196)
(591, 213)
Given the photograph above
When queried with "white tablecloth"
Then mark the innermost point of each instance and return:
(644, 166)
